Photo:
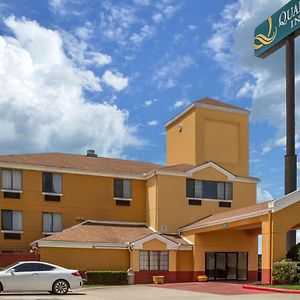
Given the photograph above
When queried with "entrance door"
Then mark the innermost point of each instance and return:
(220, 269)
(231, 268)
(226, 265)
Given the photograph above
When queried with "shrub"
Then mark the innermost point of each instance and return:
(106, 277)
(294, 253)
(285, 272)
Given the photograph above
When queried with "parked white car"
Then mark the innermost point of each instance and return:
(39, 276)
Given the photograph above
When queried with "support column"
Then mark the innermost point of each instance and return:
(290, 157)
(266, 268)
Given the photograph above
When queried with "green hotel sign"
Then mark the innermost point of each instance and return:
(270, 35)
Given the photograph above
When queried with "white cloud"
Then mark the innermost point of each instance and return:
(142, 2)
(81, 52)
(42, 98)
(62, 7)
(115, 80)
(149, 102)
(157, 17)
(100, 58)
(246, 90)
(263, 195)
(165, 77)
(231, 46)
(178, 104)
(153, 123)
(116, 21)
(192, 27)
(146, 32)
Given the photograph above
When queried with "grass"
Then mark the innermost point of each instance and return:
(281, 286)
(92, 285)
(284, 286)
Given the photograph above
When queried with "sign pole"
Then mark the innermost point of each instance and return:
(290, 157)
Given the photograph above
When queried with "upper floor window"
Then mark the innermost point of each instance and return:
(11, 220)
(12, 180)
(52, 183)
(204, 189)
(122, 189)
(52, 222)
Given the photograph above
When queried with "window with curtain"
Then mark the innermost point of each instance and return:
(122, 188)
(52, 222)
(11, 220)
(12, 180)
(52, 183)
(205, 189)
(154, 260)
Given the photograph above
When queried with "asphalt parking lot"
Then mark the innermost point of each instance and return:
(144, 292)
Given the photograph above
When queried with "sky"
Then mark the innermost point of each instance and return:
(108, 74)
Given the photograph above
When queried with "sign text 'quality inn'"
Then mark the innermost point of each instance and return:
(270, 35)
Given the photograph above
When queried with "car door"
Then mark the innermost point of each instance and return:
(46, 276)
(23, 278)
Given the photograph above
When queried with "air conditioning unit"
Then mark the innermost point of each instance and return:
(163, 228)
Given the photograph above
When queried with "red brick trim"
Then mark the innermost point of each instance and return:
(266, 277)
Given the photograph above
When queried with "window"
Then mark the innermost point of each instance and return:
(43, 267)
(154, 260)
(52, 222)
(11, 220)
(122, 188)
(204, 189)
(12, 180)
(52, 183)
(27, 267)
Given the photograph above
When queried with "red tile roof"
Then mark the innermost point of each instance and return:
(228, 215)
(98, 232)
(213, 102)
(110, 233)
(83, 163)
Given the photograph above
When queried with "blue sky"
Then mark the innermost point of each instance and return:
(108, 75)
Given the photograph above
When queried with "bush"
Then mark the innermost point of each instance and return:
(106, 277)
(285, 272)
(294, 253)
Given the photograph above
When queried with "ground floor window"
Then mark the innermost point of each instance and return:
(154, 260)
(226, 265)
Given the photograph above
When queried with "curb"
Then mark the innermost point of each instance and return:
(266, 289)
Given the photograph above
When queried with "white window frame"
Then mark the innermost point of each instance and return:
(52, 222)
(12, 230)
(11, 190)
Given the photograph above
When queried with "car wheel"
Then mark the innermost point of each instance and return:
(60, 287)
(1, 287)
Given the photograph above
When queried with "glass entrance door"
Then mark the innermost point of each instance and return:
(220, 269)
(231, 268)
(226, 265)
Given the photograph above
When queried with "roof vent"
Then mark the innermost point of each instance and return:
(91, 153)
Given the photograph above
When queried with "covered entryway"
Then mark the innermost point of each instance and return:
(219, 239)
(226, 265)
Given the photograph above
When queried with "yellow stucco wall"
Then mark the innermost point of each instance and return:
(210, 135)
(181, 145)
(226, 241)
(185, 261)
(87, 259)
(174, 210)
(84, 197)
(151, 202)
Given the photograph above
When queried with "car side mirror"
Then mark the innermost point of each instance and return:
(12, 271)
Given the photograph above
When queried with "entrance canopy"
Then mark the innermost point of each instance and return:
(236, 231)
